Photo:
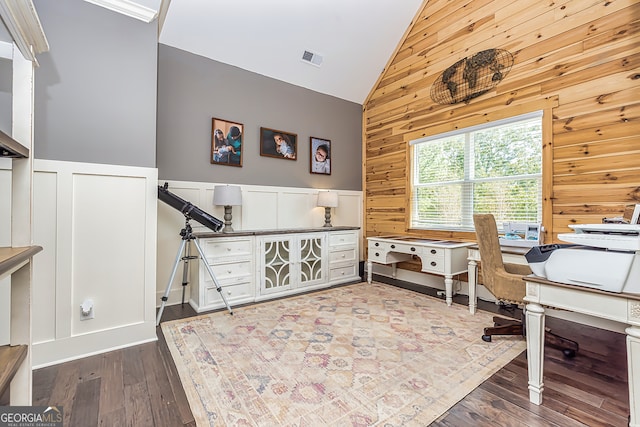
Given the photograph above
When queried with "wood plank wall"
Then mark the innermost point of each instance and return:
(579, 60)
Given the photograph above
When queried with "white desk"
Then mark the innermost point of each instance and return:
(623, 308)
(510, 254)
(441, 257)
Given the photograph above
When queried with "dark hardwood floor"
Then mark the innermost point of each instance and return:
(139, 386)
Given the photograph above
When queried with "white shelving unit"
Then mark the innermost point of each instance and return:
(23, 24)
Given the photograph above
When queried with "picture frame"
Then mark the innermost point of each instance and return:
(278, 144)
(226, 142)
(320, 156)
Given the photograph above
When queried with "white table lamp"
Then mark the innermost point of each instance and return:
(327, 200)
(227, 196)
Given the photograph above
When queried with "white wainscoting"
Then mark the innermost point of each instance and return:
(262, 208)
(97, 225)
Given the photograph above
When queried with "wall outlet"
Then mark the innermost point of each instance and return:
(86, 310)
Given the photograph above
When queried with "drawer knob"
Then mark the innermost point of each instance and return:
(413, 249)
(343, 255)
(377, 244)
(393, 246)
(377, 254)
(433, 263)
(433, 251)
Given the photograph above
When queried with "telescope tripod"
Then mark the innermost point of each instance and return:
(187, 237)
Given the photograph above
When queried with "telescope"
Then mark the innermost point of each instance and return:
(189, 210)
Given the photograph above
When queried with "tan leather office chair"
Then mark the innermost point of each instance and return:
(505, 282)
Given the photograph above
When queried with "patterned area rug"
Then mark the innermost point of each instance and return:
(357, 355)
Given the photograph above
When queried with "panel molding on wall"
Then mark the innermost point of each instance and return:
(97, 224)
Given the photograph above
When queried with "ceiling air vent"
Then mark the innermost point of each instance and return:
(312, 58)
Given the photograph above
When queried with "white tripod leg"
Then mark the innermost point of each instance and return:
(173, 274)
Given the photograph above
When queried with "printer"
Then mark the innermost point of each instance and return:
(600, 256)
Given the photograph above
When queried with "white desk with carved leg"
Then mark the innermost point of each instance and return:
(623, 308)
(441, 257)
(510, 254)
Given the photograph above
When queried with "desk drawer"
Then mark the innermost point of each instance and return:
(402, 248)
(433, 264)
(428, 252)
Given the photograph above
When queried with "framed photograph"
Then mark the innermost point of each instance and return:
(320, 158)
(278, 144)
(226, 142)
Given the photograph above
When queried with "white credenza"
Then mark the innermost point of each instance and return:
(259, 265)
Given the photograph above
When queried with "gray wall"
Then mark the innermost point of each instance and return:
(192, 90)
(95, 90)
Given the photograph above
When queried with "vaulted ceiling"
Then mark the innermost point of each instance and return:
(352, 39)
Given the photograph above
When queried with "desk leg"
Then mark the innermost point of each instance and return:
(472, 272)
(448, 289)
(394, 270)
(535, 351)
(369, 271)
(633, 362)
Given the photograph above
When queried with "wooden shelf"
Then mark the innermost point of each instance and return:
(10, 359)
(13, 258)
(11, 148)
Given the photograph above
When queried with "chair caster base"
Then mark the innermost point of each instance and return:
(486, 338)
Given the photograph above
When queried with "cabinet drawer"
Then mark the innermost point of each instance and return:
(214, 248)
(343, 255)
(231, 271)
(349, 238)
(231, 293)
(345, 272)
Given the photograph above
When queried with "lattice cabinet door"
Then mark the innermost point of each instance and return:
(275, 264)
(311, 268)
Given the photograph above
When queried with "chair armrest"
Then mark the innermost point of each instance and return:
(521, 269)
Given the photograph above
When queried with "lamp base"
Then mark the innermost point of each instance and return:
(327, 217)
(227, 220)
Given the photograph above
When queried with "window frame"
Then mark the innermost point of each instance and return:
(466, 182)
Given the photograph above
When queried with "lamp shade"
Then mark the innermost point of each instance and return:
(227, 195)
(328, 199)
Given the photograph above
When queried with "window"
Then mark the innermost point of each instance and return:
(492, 168)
